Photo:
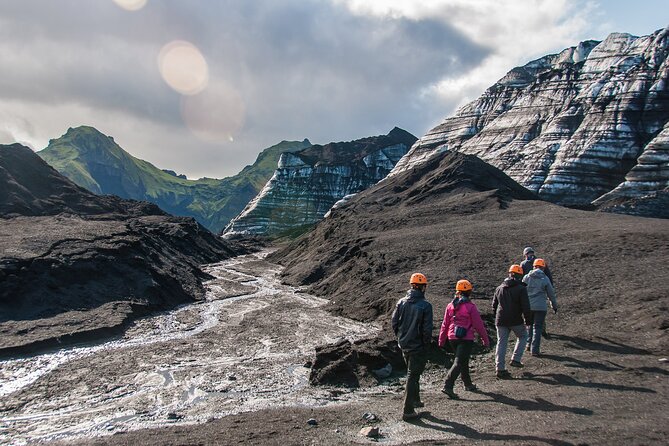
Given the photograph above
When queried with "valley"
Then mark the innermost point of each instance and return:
(243, 349)
(232, 370)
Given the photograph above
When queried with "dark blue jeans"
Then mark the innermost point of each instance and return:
(534, 331)
(460, 367)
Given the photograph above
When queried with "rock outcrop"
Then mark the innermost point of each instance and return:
(582, 128)
(309, 182)
(94, 161)
(75, 265)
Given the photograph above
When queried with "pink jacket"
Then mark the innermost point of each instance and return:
(467, 315)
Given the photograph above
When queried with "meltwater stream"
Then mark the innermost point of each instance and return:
(243, 348)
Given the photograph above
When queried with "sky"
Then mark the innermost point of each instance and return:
(202, 87)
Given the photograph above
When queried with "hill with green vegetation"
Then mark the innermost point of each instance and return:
(94, 161)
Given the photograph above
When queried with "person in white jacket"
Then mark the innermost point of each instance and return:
(539, 290)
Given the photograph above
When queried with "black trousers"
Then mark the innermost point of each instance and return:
(415, 366)
(460, 367)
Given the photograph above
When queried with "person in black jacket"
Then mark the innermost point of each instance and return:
(412, 323)
(511, 307)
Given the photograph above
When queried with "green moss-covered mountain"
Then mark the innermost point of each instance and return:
(95, 162)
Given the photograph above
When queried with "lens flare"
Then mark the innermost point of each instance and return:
(216, 114)
(183, 67)
(131, 5)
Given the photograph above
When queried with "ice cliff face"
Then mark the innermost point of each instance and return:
(587, 126)
(307, 183)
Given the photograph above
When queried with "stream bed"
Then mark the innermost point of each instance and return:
(242, 349)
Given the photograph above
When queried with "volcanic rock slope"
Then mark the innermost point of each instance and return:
(307, 183)
(94, 161)
(74, 265)
(586, 127)
(454, 216)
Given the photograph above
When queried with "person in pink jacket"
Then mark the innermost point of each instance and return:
(461, 319)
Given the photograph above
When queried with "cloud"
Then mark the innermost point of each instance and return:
(326, 70)
(515, 31)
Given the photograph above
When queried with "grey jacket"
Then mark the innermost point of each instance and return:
(412, 321)
(539, 288)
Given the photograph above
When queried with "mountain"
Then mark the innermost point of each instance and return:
(31, 188)
(307, 183)
(588, 127)
(454, 216)
(95, 162)
(75, 265)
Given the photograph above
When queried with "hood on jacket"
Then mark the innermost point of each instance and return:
(511, 282)
(538, 273)
(415, 294)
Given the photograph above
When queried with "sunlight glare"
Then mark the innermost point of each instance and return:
(131, 5)
(183, 67)
(216, 114)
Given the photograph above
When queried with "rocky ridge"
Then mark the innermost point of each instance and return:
(96, 162)
(75, 265)
(585, 127)
(307, 183)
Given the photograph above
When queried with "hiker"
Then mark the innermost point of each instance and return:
(460, 320)
(511, 308)
(528, 263)
(539, 288)
(527, 266)
(412, 325)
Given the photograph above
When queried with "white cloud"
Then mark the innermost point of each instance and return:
(516, 31)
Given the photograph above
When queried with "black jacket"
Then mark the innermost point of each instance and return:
(412, 321)
(511, 304)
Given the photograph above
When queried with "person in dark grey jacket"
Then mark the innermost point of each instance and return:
(511, 307)
(539, 288)
(528, 263)
(412, 323)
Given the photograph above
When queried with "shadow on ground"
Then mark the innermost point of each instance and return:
(560, 379)
(431, 422)
(610, 346)
(539, 404)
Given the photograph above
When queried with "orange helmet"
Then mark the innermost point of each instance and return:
(539, 263)
(418, 279)
(463, 285)
(516, 269)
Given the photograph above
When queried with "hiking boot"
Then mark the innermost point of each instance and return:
(516, 364)
(471, 388)
(451, 394)
(503, 374)
(418, 404)
(409, 416)
(545, 335)
(527, 348)
(536, 355)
